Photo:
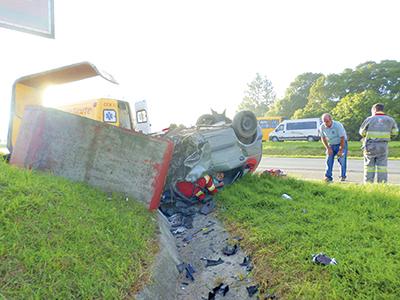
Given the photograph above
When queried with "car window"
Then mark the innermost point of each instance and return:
(268, 123)
(280, 128)
(302, 125)
(141, 116)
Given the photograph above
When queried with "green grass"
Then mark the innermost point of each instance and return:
(359, 225)
(3, 149)
(65, 240)
(316, 149)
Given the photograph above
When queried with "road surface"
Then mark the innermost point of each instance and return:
(314, 168)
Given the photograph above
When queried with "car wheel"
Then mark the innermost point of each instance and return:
(310, 139)
(245, 124)
(275, 139)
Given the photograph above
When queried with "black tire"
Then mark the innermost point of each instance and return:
(245, 124)
(310, 139)
(274, 139)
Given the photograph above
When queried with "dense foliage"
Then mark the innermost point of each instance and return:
(348, 95)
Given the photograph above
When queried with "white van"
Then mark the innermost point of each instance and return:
(301, 129)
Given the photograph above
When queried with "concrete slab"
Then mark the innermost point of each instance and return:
(105, 156)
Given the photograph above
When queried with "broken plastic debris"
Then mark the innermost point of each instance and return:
(213, 262)
(230, 250)
(179, 230)
(224, 289)
(274, 172)
(252, 290)
(189, 272)
(181, 267)
(286, 197)
(175, 220)
(247, 263)
(323, 259)
(221, 289)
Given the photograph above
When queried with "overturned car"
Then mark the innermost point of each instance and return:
(216, 152)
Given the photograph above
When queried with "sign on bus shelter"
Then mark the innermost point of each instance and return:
(32, 16)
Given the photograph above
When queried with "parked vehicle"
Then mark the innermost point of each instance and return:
(301, 129)
(268, 124)
(142, 117)
(28, 90)
(107, 110)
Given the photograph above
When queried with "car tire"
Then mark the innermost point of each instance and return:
(245, 124)
(310, 139)
(274, 139)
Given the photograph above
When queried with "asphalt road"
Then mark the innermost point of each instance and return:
(314, 168)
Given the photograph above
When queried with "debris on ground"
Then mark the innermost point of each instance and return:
(203, 246)
(286, 197)
(206, 230)
(247, 263)
(230, 250)
(178, 230)
(274, 172)
(221, 289)
(323, 259)
(213, 262)
(181, 267)
(189, 272)
(253, 289)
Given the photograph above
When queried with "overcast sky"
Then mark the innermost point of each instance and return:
(185, 57)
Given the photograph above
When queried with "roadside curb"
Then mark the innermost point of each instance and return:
(163, 274)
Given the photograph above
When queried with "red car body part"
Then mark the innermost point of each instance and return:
(251, 164)
(197, 189)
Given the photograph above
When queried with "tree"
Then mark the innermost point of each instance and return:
(296, 95)
(318, 100)
(354, 108)
(259, 96)
(383, 78)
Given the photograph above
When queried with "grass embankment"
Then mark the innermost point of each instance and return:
(3, 149)
(358, 225)
(64, 240)
(317, 150)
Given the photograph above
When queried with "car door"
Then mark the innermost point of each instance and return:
(292, 132)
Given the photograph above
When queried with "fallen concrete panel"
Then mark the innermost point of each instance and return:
(105, 156)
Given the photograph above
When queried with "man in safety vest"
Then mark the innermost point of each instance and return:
(377, 131)
(198, 188)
